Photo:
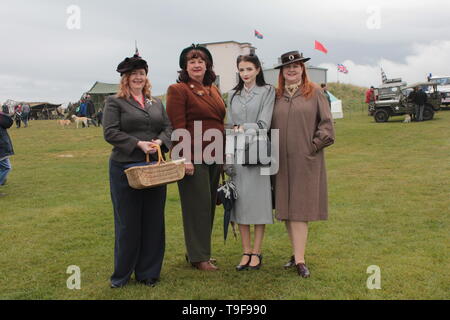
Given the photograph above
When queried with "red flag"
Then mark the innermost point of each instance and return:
(319, 46)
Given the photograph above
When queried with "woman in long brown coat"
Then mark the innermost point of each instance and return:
(303, 118)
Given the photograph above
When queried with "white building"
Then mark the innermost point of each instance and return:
(225, 53)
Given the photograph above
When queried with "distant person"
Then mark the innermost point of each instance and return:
(18, 115)
(420, 99)
(370, 99)
(83, 108)
(5, 109)
(25, 114)
(90, 110)
(99, 117)
(327, 95)
(6, 147)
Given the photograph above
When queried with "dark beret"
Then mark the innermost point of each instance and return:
(185, 51)
(133, 63)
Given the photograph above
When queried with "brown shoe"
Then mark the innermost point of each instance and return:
(204, 266)
(302, 270)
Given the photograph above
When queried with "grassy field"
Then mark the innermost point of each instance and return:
(388, 206)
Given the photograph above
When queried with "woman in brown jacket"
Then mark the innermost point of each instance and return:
(303, 118)
(194, 103)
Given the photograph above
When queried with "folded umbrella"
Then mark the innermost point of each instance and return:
(227, 194)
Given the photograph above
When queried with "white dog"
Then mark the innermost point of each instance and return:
(79, 120)
(64, 123)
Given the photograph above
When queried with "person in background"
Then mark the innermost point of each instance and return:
(6, 148)
(420, 99)
(195, 98)
(25, 114)
(99, 117)
(5, 109)
(90, 110)
(136, 123)
(18, 115)
(325, 92)
(83, 108)
(370, 99)
(303, 118)
(250, 107)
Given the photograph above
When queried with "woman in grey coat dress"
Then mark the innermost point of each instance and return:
(250, 107)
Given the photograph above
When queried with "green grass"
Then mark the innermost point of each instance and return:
(388, 206)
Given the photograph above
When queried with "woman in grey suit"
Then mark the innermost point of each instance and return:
(250, 107)
(134, 122)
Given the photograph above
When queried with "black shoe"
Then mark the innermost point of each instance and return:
(116, 286)
(302, 270)
(290, 264)
(149, 282)
(4, 182)
(258, 266)
(242, 267)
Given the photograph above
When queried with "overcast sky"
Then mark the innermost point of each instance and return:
(42, 59)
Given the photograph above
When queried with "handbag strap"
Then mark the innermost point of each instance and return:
(160, 157)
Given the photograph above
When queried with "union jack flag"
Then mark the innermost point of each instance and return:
(342, 68)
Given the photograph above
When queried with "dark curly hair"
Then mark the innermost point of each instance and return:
(209, 77)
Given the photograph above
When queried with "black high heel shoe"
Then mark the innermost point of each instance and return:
(290, 264)
(258, 266)
(241, 267)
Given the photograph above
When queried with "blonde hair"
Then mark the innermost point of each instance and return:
(307, 87)
(125, 91)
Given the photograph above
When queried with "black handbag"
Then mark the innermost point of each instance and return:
(260, 146)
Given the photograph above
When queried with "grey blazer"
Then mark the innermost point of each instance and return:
(251, 110)
(125, 123)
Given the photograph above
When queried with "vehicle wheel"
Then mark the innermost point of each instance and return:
(381, 115)
(428, 113)
(436, 108)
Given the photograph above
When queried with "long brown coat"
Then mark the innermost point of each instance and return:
(305, 128)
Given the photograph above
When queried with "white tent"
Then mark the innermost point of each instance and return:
(336, 107)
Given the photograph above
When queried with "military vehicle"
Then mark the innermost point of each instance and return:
(443, 83)
(389, 90)
(392, 100)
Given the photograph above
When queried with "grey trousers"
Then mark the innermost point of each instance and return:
(419, 112)
(198, 204)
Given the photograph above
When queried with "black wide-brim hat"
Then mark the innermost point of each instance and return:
(133, 63)
(291, 57)
(185, 51)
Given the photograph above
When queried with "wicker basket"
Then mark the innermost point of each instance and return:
(141, 177)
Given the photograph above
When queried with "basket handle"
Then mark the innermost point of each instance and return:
(160, 157)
